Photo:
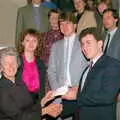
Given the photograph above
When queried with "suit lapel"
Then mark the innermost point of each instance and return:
(62, 50)
(60, 53)
(74, 49)
(114, 40)
(93, 71)
(79, 89)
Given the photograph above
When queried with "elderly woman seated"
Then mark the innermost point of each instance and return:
(16, 102)
(1, 49)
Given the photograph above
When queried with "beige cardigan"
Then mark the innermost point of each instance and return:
(87, 20)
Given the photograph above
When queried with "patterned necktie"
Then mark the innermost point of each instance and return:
(90, 65)
(37, 17)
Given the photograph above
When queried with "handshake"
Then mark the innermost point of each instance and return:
(52, 109)
(55, 109)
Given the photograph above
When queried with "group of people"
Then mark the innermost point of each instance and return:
(75, 55)
(22, 81)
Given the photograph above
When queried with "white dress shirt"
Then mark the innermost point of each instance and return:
(111, 36)
(67, 58)
(36, 5)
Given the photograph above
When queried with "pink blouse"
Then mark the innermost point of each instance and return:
(30, 75)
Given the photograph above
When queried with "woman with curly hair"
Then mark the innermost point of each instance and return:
(32, 70)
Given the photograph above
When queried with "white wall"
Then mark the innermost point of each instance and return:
(8, 12)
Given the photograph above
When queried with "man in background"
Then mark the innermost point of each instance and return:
(33, 15)
(112, 40)
(66, 62)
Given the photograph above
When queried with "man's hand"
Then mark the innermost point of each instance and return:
(46, 98)
(71, 94)
(53, 110)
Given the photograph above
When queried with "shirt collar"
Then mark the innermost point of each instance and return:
(36, 5)
(71, 37)
(113, 31)
(94, 60)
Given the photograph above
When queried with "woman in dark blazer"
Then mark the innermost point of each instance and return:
(31, 71)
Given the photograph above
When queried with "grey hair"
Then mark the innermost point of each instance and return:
(8, 51)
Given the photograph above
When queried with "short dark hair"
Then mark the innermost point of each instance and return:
(114, 13)
(57, 11)
(92, 31)
(68, 16)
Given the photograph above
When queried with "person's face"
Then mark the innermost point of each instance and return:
(109, 21)
(9, 66)
(90, 3)
(79, 4)
(30, 43)
(36, 1)
(53, 19)
(67, 28)
(90, 46)
(101, 7)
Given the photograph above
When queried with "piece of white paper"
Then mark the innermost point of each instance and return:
(60, 91)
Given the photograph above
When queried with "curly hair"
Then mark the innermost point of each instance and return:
(36, 34)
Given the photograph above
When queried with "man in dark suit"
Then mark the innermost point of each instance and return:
(112, 49)
(110, 22)
(99, 85)
(33, 15)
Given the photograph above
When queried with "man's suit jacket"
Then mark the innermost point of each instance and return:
(97, 100)
(25, 19)
(114, 47)
(114, 51)
(56, 64)
(16, 103)
(86, 20)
